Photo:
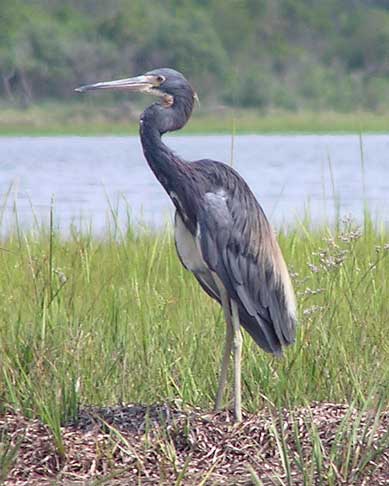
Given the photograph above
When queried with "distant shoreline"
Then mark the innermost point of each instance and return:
(86, 119)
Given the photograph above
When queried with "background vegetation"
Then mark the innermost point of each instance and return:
(287, 54)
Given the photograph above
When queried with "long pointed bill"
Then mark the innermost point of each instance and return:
(137, 84)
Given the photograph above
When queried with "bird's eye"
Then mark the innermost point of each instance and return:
(160, 79)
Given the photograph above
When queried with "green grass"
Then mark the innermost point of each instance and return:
(100, 321)
(90, 116)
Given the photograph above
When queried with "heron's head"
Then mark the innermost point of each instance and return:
(165, 83)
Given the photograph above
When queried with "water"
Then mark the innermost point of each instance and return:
(288, 174)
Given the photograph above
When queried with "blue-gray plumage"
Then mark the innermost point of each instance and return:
(221, 232)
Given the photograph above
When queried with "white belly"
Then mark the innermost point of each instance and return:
(187, 247)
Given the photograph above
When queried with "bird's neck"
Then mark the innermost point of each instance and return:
(167, 167)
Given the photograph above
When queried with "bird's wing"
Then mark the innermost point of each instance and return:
(238, 244)
(191, 259)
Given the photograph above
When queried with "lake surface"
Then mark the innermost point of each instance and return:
(289, 175)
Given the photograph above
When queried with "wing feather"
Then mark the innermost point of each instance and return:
(238, 244)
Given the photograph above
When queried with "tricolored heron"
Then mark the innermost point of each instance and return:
(221, 232)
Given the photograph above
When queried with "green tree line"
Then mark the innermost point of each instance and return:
(288, 54)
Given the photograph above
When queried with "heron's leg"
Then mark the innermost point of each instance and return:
(226, 358)
(233, 342)
(237, 351)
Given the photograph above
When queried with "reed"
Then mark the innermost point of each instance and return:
(117, 318)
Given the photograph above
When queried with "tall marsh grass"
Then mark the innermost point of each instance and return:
(87, 320)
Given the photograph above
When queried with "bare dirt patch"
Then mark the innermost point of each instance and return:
(171, 444)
